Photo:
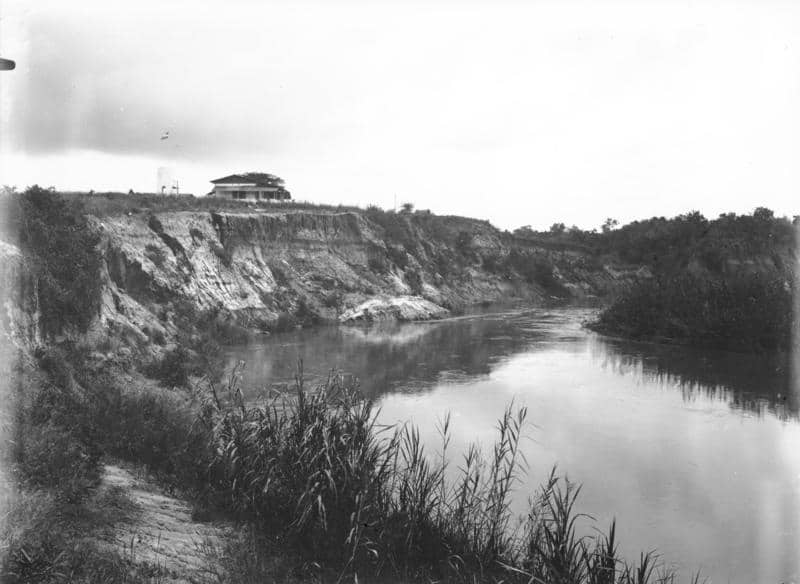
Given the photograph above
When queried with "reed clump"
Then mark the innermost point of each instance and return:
(317, 473)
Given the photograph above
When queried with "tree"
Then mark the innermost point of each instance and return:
(407, 207)
(558, 228)
(763, 214)
(609, 225)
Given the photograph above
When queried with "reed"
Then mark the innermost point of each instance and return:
(316, 472)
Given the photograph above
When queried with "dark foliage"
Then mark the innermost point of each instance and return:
(667, 245)
(224, 255)
(535, 269)
(155, 254)
(414, 281)
(172, 369)
(316, 475)
(62, 248)
(398, 256)
(752, 313)
(464, 246)
(378, 264)
(286, 322)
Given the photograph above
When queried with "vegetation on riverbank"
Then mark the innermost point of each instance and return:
(61, 252)
(746, 313)
(726, 283)
(310, 476)
(354, 500)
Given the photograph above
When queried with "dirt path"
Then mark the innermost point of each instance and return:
(160, 533)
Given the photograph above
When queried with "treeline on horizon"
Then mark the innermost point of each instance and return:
(667, 244)
(727, 283)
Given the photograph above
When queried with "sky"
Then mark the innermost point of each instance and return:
(523, 113)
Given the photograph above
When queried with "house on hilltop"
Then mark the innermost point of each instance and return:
(251, 186)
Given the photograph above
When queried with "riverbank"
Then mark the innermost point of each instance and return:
(745, 314)
(314, 480)
(117, 320)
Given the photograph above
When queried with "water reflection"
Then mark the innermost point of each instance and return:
(392, 357)
(753, 384)
(696, 453)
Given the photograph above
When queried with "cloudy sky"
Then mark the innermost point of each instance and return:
(518, 112)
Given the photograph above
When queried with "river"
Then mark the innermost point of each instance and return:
(696, 453)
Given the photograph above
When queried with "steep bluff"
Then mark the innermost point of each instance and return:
(322, 266)
(18, 297)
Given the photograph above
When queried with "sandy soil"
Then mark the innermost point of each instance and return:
(160, 532)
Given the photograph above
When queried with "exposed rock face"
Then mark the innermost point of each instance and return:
(312, 266)
(19, 315)
(403, 308)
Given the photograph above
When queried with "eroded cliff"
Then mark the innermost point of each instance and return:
(324, 266)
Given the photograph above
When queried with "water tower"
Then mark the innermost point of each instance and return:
(166, 181)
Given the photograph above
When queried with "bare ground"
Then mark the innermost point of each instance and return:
(158, 533)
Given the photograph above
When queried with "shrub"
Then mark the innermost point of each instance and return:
(304, 315)
(157, 336)
(414, 281)
(285, 322)
(53, 457)
(544, 275)
(155, 254)
(223, 254)
(464, 246)
(280, 275)
(744, 313)
(155, 428)
(64, 258)
(493, 263)
(378, 264)
(172, 369)
(332, 300)
(398, 256)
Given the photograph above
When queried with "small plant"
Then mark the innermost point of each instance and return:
(398, 256)
(332, 300)
(155, 254)
(286, 322)
(493, 263)
(377, 264)
(224, 255)
(464, 246)
(414, 281)
(172, 369)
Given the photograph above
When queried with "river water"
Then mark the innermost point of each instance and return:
(696, 453)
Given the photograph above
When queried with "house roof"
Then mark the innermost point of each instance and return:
(261, 179)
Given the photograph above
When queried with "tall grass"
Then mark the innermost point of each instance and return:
(110, 204)
(317, 472)
(319, 481)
